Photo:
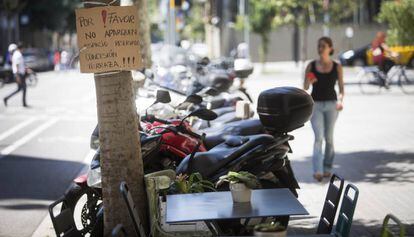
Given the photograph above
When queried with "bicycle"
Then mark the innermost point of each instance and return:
(31, 77)
(372, 80)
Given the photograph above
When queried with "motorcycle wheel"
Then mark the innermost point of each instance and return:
(85, 204)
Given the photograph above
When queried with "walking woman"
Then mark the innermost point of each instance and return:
(323, 74)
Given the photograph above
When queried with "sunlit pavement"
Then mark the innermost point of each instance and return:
(374, 142)
(44, 147)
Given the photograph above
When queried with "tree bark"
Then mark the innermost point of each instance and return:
(144, 29)
(120, 147)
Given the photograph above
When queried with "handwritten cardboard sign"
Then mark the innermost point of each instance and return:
(108, 39)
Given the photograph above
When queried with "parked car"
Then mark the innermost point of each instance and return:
(37, 59)
(363, 56)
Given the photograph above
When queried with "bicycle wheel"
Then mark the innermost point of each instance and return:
(31, 79)
(406, 81)
(370, 83)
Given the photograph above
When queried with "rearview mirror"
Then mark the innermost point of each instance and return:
(204, 114)
(194, 99)
(162, 97)
(209, 91)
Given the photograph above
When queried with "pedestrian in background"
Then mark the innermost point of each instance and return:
(323, 74)
(56, 60)
(19, 73)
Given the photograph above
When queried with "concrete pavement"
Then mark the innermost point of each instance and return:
(374, 142)
(42, 148)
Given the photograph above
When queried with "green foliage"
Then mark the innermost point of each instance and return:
(194, 23)
(191, 184)
(56, 15)
(12, 6)
(399, 15)
(269, 227)
(266, 15)
(250, 180)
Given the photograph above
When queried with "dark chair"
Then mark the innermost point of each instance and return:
(132, 209)
(119, 231)
(63, 222)
(331, 205)
(386, 230)
(346, 213)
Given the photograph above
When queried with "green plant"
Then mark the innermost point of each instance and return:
(269, 227)
(399, 15)
(250, 180)
(191, 184)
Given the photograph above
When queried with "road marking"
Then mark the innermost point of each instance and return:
(27, 138)
(16, 128)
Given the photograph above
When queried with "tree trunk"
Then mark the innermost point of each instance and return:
(144, 29)
(120, 148)
(263, 50)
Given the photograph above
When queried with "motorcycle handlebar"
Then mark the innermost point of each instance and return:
(152, 118)
(193, 134)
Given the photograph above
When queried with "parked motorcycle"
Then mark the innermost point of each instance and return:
(281, 110)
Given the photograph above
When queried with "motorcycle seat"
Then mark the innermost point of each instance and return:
(224, 110)
(206, 163)
(217, 135)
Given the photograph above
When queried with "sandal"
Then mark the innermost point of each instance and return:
(318, 177)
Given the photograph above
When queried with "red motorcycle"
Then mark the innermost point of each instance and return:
(167, 144)
(164, 144)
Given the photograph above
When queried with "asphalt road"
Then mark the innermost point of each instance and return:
(43, 147)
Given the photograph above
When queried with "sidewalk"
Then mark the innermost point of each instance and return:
(374, 141)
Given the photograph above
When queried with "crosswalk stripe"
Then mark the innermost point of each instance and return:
(16, 128)
(9, 149)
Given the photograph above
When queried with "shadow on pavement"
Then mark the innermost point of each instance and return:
(23, 177)
(359, 229)
(365, 166)
(24, 206)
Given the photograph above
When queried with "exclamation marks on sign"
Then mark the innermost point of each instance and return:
(128, 60)
(103, 13)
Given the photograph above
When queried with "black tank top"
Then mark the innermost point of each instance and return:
(324, 88)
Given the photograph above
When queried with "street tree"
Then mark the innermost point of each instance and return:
(267, 15)
(303, 13)
(144, 28)
(399, 16)
(261, 22)
(120, 146)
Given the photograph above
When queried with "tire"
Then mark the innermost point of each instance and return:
(406, 82)
(31, 79)
(359, 62)
(369, 83)
(85, 212)
(411, 63)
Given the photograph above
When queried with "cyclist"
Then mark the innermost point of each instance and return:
(382, 55)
